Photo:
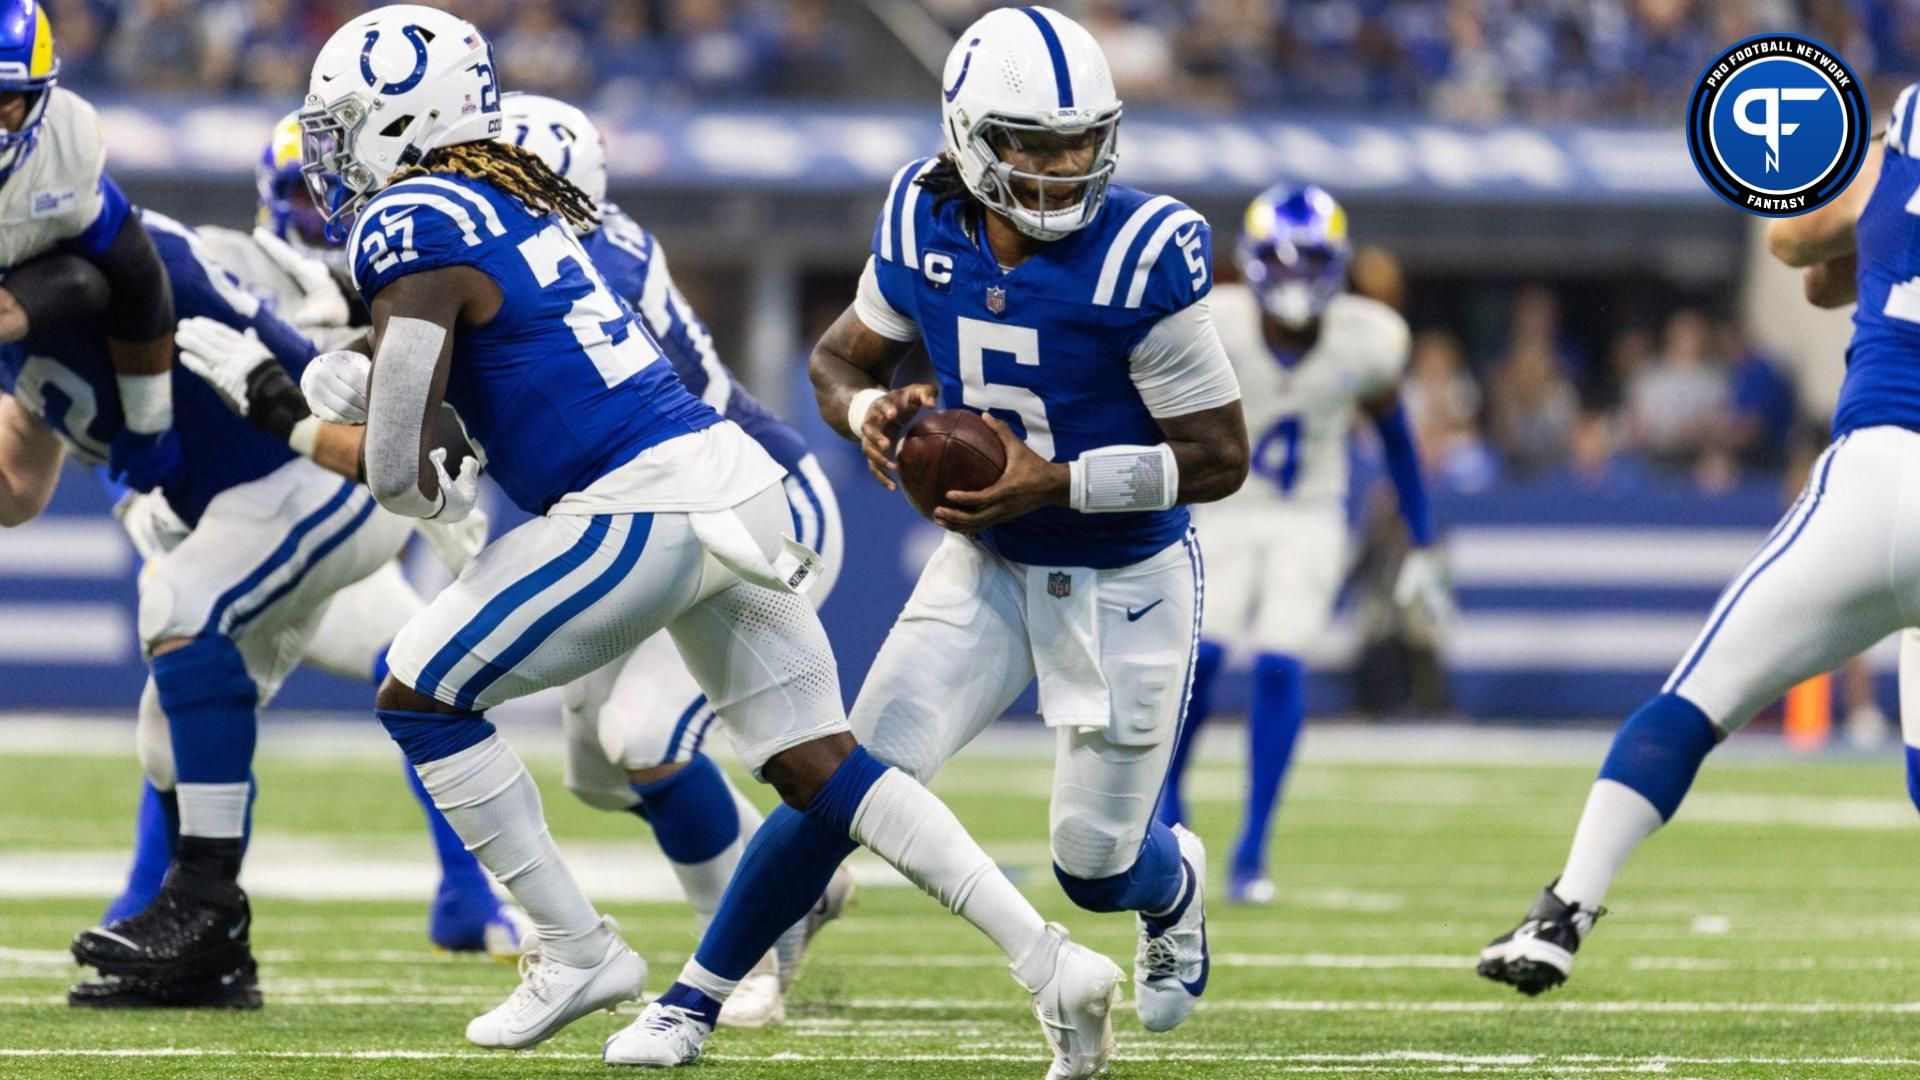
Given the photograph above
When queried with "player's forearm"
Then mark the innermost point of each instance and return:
(1832, 284)
(1210, 448)
(402, 399)
(1829, 232)
(30, 459)
(1403, 466)
(336, 448)
(835, 382)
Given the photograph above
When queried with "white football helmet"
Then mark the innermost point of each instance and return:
(563, 137)
(387, 88)
(1019, 80)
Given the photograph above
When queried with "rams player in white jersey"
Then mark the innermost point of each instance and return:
(1308, 354)
(1072, 310)
(55, 195)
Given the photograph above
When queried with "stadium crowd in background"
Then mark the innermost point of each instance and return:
(1474, 60)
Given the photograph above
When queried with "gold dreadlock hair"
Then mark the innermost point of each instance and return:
(515, 170)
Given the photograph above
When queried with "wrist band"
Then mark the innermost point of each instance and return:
(146, 401)
(857, 409)
(1117, 479)
(306, 432)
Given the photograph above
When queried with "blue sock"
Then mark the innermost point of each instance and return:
(459, 871)
(691, 811)
(1273, 726)
(153, 839)
(429, 736)
(1659, 749)
(1913, 776)
(210, 703)
(785, 868)
(1206, 666)
(1153, 884)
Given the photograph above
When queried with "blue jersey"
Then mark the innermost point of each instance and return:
(65, 377)
(1882, 385)
(1046, 346)
(561, 386)
(636, 269)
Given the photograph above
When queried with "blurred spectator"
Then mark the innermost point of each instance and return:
(1443, 402)
(1532, 400)
(1675, 402)
(1596, 464)
(1764, 405)
(1471, 60)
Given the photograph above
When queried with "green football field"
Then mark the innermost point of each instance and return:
(1775, 932)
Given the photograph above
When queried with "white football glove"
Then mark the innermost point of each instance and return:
(321, 303)
(150, 523)
(457, 495)
(1422, 589)
(222, 356)
(335, 385)
(455, 543)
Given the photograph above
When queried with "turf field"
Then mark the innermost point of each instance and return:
(1775, 933)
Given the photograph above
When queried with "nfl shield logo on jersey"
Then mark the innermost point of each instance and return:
(996, 299)
(1059, 585)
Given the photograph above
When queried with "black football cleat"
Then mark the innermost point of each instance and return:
(1537, 955)
(196, 927)
(236, 989)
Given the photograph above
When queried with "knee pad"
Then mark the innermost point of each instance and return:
(1659, 749)
(1088, 846)
(153, 740)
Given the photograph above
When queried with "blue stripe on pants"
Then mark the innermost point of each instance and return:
(560, 614)
(470, 637)
(279, 558)
(324, 549)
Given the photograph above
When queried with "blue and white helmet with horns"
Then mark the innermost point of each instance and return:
(1023, 81)
(387, 88)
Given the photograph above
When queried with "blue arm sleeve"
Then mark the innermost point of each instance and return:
(1403, 465)
(98, 236)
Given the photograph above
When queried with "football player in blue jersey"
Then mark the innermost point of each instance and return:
(224, 613)
(1072, 313)
(635, 729)
(273, 263)
(656, 514)
(1840, 572)
(55, 195)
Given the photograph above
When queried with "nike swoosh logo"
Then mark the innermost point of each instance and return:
(1181, 239)
(1134, 616)
(234, 934)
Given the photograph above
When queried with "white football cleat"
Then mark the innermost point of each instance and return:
(791, 950)
(661, 1037)
(509, 933)
(756, 1003)
(1075, 1007)
(552, 995)
(1171, 965)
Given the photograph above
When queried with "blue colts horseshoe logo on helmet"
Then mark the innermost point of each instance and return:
(412, 33)
(965, 63)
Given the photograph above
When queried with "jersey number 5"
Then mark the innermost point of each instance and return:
(979, 337)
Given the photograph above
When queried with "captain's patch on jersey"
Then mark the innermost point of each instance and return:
(1778, 125)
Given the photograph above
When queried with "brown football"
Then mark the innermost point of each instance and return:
(951, 450)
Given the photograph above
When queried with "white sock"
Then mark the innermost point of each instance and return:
(715, 987)
(213, 811)
(908, 826)
(1617, 819)
(706, 882)
(493, 805)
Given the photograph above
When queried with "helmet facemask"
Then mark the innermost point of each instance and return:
(16, 145)
(1015, 171)
(338, 179)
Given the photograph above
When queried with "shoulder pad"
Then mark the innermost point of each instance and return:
(421, 223)
(904, 216)
(1900, 122)
(1160, 259)
(1374, 336)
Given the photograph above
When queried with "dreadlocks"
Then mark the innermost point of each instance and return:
(944, 182)
(517, 171)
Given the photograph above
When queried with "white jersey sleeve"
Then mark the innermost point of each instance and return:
(871, 305)
(1180, 367)
(55, 194)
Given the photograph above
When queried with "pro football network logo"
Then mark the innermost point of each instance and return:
(1778, 125)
